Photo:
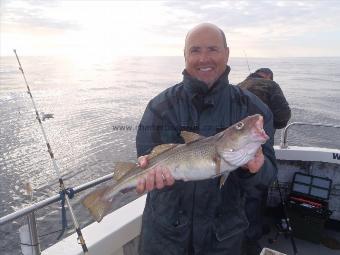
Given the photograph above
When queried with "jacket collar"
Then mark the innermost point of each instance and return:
(197, 87)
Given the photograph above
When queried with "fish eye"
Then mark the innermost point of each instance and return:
(239, 125)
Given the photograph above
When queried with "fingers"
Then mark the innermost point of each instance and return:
(169, 179)
(143, 161)
(140, 186)
(150, 180)
(157, 177)
(160, 180)
(256, 163)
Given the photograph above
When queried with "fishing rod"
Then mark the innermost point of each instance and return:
(287, 229)
(55, 166)
(247, 60)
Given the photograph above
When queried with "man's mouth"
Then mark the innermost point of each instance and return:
(205, 69)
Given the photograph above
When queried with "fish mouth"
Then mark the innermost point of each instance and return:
(260, 133)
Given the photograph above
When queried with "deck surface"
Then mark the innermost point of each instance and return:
(284, 244)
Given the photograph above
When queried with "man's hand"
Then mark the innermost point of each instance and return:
(255, 164)
(157, 177)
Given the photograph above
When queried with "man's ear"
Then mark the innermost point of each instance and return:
(227, 54)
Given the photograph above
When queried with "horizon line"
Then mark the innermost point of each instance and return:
(230, 57)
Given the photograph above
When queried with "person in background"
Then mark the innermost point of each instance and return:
(199, 217)
(264, 73)
(262, 85)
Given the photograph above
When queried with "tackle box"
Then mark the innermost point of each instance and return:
(307, 206)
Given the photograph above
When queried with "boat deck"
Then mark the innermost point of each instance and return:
(283, 244)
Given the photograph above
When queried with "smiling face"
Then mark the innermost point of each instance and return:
(206, 55)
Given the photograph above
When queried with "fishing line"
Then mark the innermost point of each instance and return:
(51, 233)
(55, 166)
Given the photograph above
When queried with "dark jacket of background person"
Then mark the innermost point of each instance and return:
(271, 94)
(198, 217)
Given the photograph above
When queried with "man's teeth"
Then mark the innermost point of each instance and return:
(205, 69)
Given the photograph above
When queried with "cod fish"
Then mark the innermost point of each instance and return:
(199, 158)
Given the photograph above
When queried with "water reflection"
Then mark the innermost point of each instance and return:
(88, 99)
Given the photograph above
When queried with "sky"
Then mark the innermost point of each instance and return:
(254, 28)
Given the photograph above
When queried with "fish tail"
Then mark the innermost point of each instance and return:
(96, 203)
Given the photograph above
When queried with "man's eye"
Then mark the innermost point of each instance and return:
(194, 50)
(213, 49)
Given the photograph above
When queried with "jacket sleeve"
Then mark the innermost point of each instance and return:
(148, 135)
(279, 106)
(154, 129)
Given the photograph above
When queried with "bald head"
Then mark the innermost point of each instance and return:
(206, 53)
(204, 26)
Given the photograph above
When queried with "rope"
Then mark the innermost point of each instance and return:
(70, 193)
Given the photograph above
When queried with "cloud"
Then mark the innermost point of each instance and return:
(36, 15)
(266, 26)
(161, 26)
(236, 16)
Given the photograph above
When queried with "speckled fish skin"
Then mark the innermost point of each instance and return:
(199, 158)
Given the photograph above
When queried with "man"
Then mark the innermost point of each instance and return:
(199, 217)
(262, 85)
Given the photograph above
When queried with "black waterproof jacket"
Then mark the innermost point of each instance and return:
(271, 94)
(198, 217)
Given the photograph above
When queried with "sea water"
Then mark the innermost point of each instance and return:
(97, 106)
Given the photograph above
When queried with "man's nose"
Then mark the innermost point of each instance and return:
(204, 56)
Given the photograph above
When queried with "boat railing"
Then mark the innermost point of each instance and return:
(284, 133)
(38, 205)
(29, 211)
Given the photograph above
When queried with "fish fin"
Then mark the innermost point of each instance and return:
(223, 179)
(217, 160)
(160, 149)
(121, 168)
(190, 136)
(96, 204)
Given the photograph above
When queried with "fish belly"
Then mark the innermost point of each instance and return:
(193, 170)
